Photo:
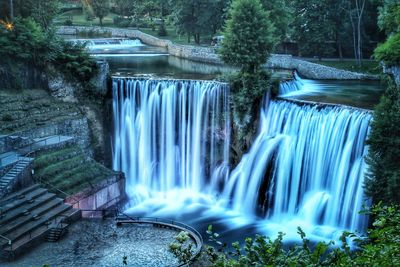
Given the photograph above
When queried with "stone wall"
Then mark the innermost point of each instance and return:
(102, 196)
(394, 71)
(314, 71)
(78, 128)
(195, 53)
(208, 55)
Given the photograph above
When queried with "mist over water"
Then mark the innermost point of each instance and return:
(305, 167)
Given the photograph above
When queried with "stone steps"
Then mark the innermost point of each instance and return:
(33, 203)
(12, 174)
(28, 217)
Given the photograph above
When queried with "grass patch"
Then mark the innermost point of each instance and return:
(178, 38)
(79, 19)
(69, 170)
(368, 66)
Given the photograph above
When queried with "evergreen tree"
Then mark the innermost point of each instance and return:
(383, 183)
(248, 37)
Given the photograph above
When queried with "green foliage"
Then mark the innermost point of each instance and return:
(101, 8)
(162, 31)
(248, 36)
(182, 248)
(247, 90)
(389, 16)
(383, 183)
(198, 17)
(41, 11)
(380, 248)
(75, 62)
(280, 13)
(389, 52)
(313, 27)
(30, 44)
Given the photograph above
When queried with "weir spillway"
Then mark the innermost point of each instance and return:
(305, 167)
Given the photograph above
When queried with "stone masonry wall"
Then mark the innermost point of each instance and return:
(208, 55)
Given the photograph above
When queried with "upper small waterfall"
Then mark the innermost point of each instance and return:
(295, 86)
(171, 134)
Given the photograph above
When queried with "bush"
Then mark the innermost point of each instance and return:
(383, 183)
(68, 22)
(389, 52)
(380, 248)
(162, 31)
(122, 22)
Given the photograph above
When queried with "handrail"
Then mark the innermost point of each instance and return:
(59, 190)
(8, 240)
(30, 150)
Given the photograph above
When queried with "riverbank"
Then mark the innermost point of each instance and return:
(208, 54)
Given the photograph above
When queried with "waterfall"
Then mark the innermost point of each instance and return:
(305, 167)
(316, 159)
(171, 134)
(296, 86)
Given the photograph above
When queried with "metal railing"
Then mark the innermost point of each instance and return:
(30, 148)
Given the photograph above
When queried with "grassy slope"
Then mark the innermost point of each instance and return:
(79, 19)
(68, 170)
(24, 109)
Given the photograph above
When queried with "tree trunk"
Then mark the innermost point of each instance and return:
(11, 3)
(188, 38)
(101, 21)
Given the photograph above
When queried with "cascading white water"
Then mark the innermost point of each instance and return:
(316, 166)
(108, 43)
(305, 167)
(296, 86)
(171, 134)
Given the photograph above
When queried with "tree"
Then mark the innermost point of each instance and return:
(389, 16)
(313, 27)
(42, 11)
(101, 9)
(198, 17)
(383, 183)
(280, 13)
(248, 36)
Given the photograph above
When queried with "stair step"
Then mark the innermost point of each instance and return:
(30, 215)
(50, 215)
(19, 200)
(26, 239)
(33, 203)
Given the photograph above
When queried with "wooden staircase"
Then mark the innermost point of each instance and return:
(30, 216)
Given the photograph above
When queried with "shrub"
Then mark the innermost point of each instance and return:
(380, 248)
(389, 52)
(122, 22)
(162, 31)
(68, 22)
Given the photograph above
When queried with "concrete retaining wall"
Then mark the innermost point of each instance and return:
(101, 196)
